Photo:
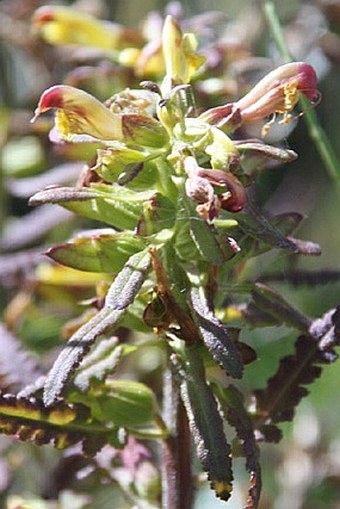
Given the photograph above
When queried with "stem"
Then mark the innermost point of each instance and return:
(165, 183)
(316, 132)
(276, 29)
(177, 483)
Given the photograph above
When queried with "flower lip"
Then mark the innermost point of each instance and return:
(54, 97)
(43, 15)
(308, 81)
(51, 98)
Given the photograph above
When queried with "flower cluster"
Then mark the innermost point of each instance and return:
(139, 127)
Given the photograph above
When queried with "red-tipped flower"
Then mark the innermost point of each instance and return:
(79, 113)
(278, 92)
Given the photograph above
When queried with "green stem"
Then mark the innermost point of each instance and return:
(316, 132)
(165, 183)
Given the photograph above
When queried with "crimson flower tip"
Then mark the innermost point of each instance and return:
(307, 81)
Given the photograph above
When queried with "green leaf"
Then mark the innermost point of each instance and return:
(206, 423)
(101, 252)
(158, 213)
(133, 318)
(120, 295)
(114, 205)
(205, 238)
(255, 224)
(287, 222)
(260, 153)
(272, 232)
(178, 278)
(216, 336)
(184, 245)
(124, 402)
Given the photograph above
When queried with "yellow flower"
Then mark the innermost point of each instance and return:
(64, 25)
(80, 113)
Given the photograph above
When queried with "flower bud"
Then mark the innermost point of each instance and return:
(112, 161)
(223, 151)
(234, 199)
(181, 61)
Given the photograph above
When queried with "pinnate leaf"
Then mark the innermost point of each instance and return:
(61, 424)
(101, 361)
(120, 295)
(285, 389)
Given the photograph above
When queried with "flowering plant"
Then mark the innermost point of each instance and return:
(174, 187)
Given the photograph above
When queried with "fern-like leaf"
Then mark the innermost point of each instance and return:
(13, 355)
(61, 425)
(120, 295)
(277, 402)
